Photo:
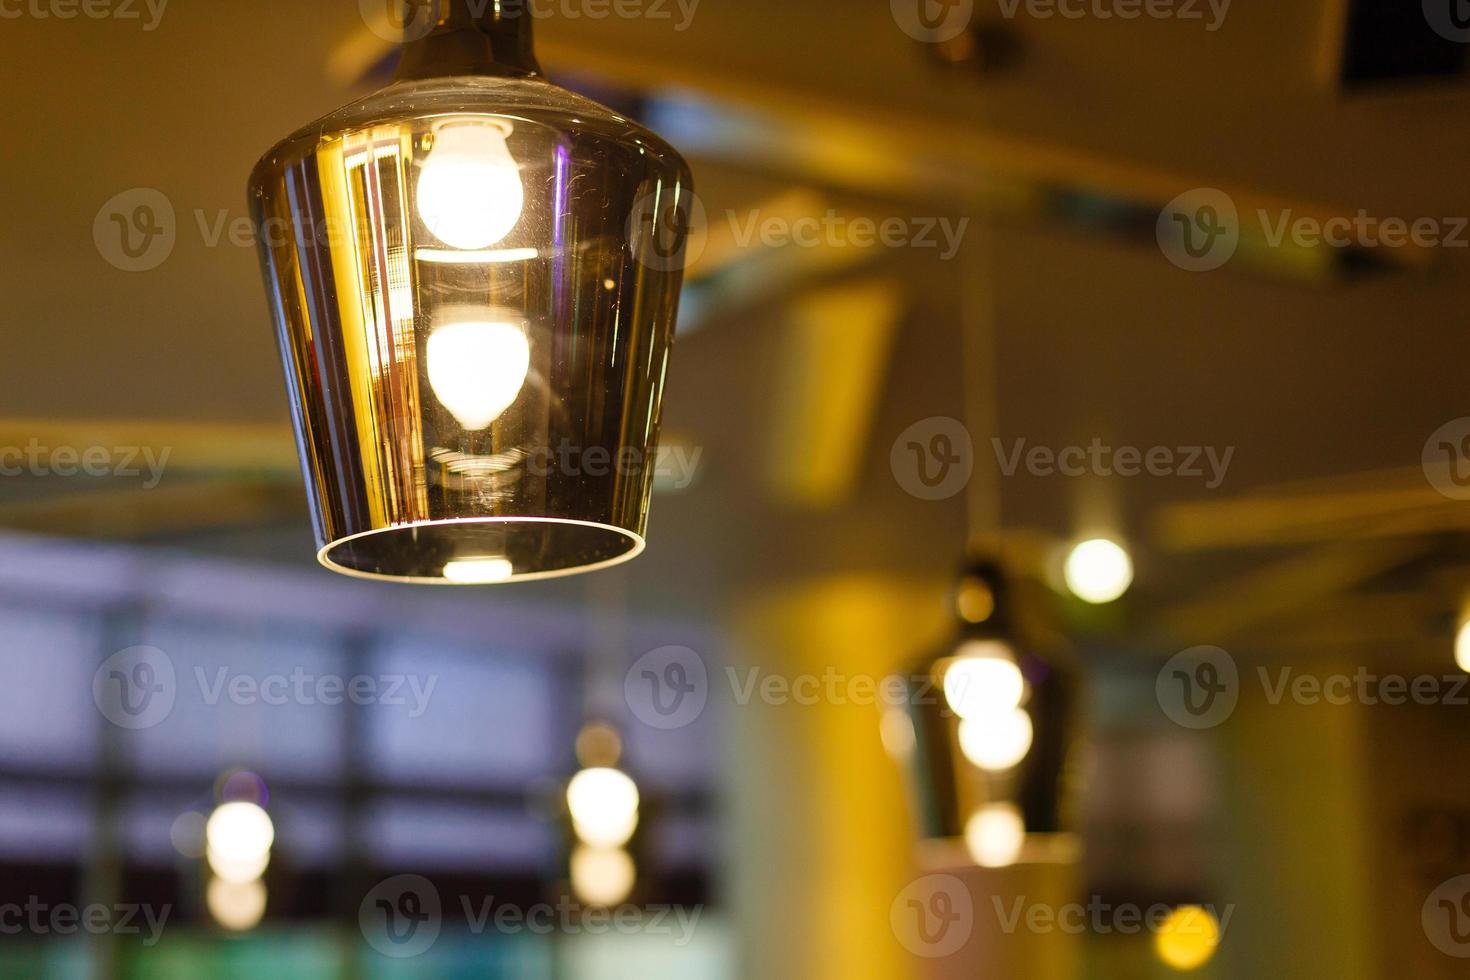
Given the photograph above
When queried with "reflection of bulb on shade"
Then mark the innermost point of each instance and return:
(470, 193)
(997, 742)
(604, 806)
(477, 367)
(1462, 647)
(995, 834)
(983, 679)
(236, 905)
(479, 571)
(602, 875)
(1099, 571)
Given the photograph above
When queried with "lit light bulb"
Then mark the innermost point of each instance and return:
(477, 365)
(983, 680)
(995, 835)
(1188, 938)
(604, 806)
(236, 905)
(1462, 646)
(997, 742)
(238, 839)
(1099, 571)
(602, 875)
(470, 193)
(479, 571)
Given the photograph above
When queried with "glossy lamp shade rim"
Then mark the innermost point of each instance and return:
(636, 545)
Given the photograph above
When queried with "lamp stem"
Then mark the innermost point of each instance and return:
(471, 37)
(981, 381)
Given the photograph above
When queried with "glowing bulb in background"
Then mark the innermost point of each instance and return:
(1188, 938)
(236, 905)
(995, 835)
(603, 875)
(477, 366)
(470, 193)
(1099, 571)
(1462, 646)
(479, 571)
(604, 806)
(997, 742)
(238, 839)
(897, 731)
(983, 680)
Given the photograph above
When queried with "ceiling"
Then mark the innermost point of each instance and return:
(1097, 334)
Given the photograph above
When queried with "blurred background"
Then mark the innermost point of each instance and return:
(1117, 341)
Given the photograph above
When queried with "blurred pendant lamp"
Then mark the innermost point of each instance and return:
(474, 276)
(988, 751)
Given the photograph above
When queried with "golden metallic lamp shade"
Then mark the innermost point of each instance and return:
(475, 276)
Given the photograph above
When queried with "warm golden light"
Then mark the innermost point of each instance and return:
(236, 905)
(995, 835)
(1099, 571)
(1462, 647)
(998, 742)
(470, 193)
(983, 680)
(445, 256)
(238, 839)
(975, 600)
(479, 571)
(604, 806)
(477, 366)
(603, 875)
(1188, 938)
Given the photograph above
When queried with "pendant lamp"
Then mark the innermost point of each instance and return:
(474, 275)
